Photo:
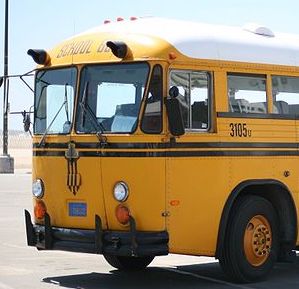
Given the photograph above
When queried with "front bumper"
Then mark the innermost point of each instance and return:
(97, 241)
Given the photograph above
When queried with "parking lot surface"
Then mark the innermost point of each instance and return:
(25, 267)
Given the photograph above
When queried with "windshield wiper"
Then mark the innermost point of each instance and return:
(86, 110)
(42, 141)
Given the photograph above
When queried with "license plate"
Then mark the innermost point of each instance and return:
(77, 209)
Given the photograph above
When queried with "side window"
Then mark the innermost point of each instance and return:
(193, 96)
(285, 92)
(152, 117)
(247, 93)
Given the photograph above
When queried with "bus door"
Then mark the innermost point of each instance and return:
(191, 167)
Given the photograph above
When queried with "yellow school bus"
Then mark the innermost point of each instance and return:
(154, 136)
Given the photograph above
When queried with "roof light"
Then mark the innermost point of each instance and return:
(172, 56)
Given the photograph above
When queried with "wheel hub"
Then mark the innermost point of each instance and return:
(257, 240)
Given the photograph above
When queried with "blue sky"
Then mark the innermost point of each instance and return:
(42, 24)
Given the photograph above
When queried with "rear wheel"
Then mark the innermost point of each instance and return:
(251, 241)
(128, 263)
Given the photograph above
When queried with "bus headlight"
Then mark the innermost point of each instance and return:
(38, 188)
(121, 191)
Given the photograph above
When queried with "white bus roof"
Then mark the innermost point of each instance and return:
(251, 43)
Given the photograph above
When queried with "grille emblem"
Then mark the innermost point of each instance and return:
(73, 177)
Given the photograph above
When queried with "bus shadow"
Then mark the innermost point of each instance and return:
(152, 277)
(181, 277)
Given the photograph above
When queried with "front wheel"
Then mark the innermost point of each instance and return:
(251, 241)
(128, 263)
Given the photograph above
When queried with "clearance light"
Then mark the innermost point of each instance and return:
(38, 188)
(120, 19)
(121, 191)
(172, 56)
(133, 18)
(107, 21)
(40, 210)
(122, 214)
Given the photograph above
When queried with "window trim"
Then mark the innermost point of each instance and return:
(286, 115)
(228, 114)
(145, 97)
(210, 77)
(247, 74)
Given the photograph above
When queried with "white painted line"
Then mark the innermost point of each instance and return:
(55, 282)
(207, 278)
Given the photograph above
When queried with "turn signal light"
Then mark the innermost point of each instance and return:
(122, 214)
(40, 210)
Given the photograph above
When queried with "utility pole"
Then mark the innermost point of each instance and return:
(5, 80)
(6, 162)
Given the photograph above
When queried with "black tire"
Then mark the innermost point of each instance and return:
(249, 250)
(125, 263)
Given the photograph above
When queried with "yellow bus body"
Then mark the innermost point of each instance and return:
(185, 185)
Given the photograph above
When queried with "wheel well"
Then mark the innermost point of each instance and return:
(279, 196)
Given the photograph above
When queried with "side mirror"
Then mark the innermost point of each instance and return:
(174, 113)
(26, 121)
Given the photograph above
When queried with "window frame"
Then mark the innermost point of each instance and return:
(246, 74)
(210, 92)
(145, 97)
(283, 115)
(80, 85)
(73, 118)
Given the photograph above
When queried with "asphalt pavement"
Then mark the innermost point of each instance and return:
(23, 267)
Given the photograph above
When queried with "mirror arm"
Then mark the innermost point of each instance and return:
(24, 81)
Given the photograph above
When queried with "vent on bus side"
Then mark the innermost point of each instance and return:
(258, 29)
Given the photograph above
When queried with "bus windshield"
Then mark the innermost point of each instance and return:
(110, 97)
(54, 99)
